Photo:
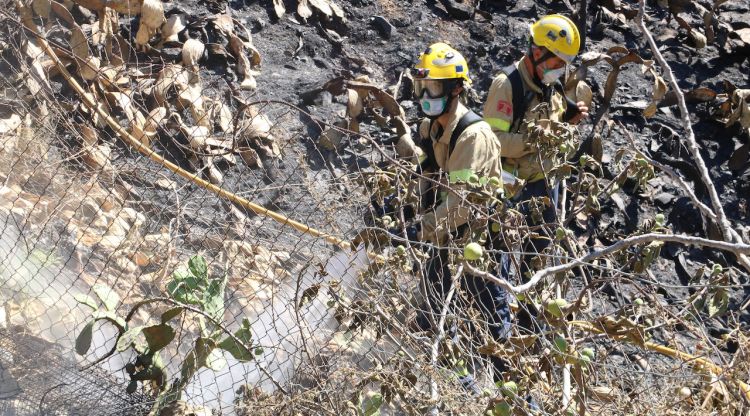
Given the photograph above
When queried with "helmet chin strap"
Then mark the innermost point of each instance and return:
(448, 102)
(534, 63)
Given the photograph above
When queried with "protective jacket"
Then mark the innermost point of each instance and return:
(476, 152)
(501, 112)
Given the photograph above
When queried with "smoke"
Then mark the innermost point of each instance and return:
(38, 291)
(283, 337)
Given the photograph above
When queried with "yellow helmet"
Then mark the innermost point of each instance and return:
(558, 34)
(440, 61)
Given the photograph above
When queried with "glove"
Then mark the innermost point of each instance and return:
(410, 232)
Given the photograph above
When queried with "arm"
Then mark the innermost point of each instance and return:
(498, 113)
(473, 155)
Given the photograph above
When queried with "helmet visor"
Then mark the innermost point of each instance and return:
(435, 88)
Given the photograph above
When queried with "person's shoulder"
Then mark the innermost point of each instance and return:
(480, 130)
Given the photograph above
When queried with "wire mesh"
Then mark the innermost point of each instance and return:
(94, 228)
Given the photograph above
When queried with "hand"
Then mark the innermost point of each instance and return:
(583, 112)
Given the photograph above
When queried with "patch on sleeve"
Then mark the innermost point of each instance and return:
(505, 107)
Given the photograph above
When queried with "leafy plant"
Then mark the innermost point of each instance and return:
(191, 289)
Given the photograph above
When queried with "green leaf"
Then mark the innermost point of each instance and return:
(112, 318)
(170, 314)
(83, 341)
(158, 336)
(87, 300)
(239, 351)
(718, 304)
(213, 300)
(198, 267)
(109, 297)
(216, 360)
(180, 292)
(371, 404)
(181, 273)
(129, 337)
(196, 358)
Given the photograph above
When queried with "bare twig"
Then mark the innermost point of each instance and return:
(434, 348)
(692, 145)
(736, 248)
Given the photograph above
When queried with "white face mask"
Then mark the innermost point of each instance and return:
(552, 75)
(433, 106)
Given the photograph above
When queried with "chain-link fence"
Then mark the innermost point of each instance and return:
(172, 242)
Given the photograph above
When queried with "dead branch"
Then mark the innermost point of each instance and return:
(721, 218)
(735, 248)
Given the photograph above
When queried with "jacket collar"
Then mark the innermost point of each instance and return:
(453, 120)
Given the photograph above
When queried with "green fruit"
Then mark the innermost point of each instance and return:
(474, 179)
(555, 307)
(639, 302)
(564, 148)
(502, 409)
(472, 251)
(495, 227)
(387, 219)
(641, 162)
(331, 303)
(561, 344)
(559, 233)
(588, 352)
(495, 182)
(716, 269)
(583, 160)
(510, 388)
(401, 250)
(659, 220)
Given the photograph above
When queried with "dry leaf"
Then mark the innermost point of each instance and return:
(237, 48)
(9, 124)
(79, 44)
(172, 27)
(251, 158)
(744, 35)
(303, 9)
(169, 77)
(36, 78)
(278, 8)
(63, 13)
(603, 393)
(98, 157)
(89, 68)
(152, 14)
(192, 51)
(323, 6)
(123, 101)
(41, 8)
(196, 135)
(354, 104)
(224, 23)
(222, 115)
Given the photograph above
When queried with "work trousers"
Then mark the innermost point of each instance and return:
(526, 315)
(490, 299)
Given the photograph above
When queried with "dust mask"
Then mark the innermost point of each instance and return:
(433, 107)
(552, 75)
